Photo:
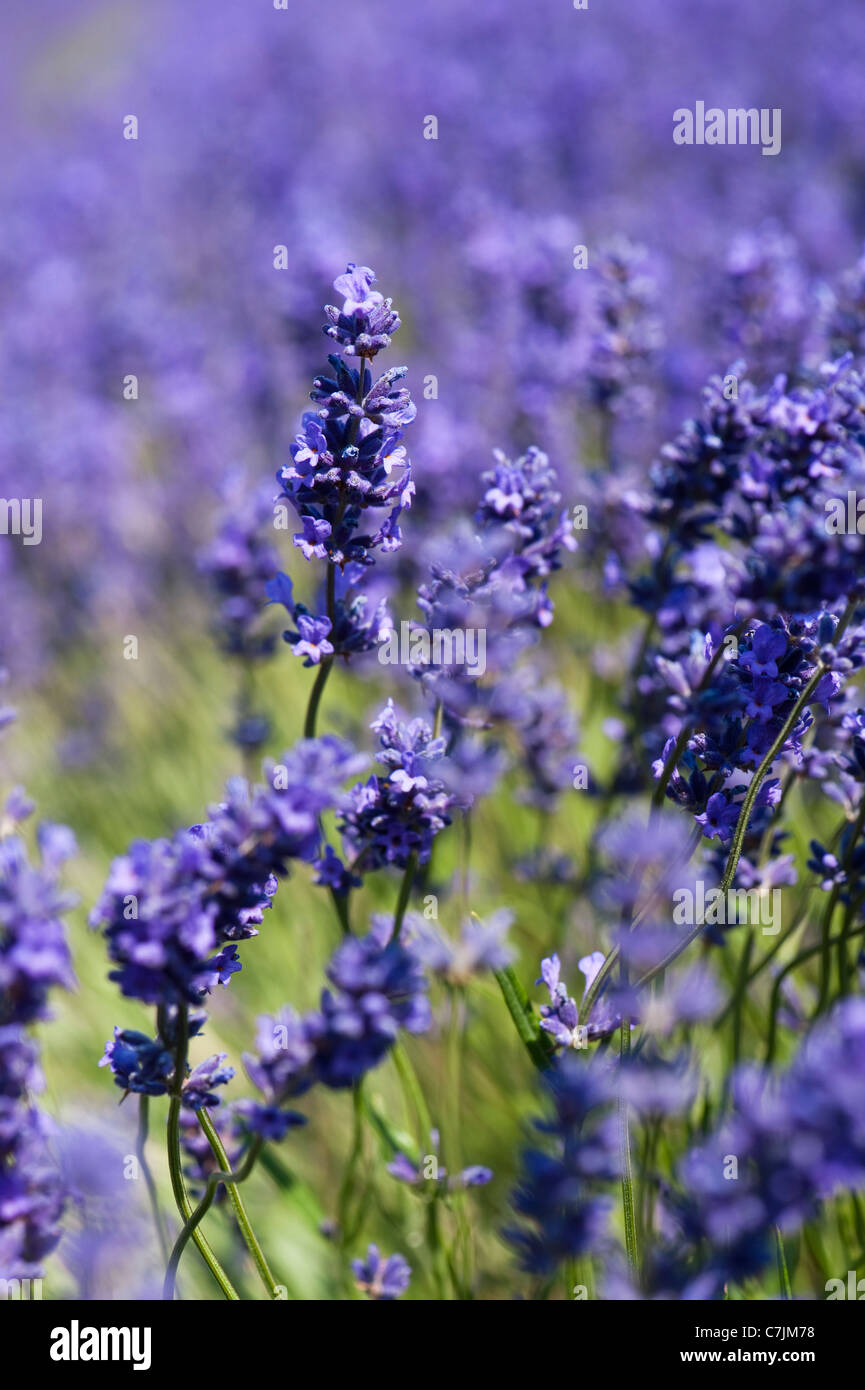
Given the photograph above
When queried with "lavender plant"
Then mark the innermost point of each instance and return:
(645, 792)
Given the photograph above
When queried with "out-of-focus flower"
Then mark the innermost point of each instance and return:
(381, 1278)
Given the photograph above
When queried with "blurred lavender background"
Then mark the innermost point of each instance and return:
(305, 128)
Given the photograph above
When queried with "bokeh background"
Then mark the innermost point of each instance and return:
(155, 257)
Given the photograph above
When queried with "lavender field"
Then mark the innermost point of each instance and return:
(432, 723)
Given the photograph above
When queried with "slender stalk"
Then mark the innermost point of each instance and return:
(779, 980)
(825, 947)
(213, 1184)
(317, 691)
(628, 1209)
(454, 1081)
(404, 895)
(175, 1163)
(140, 1146)
(783, 1273)
(843, 962)
(757, 780)
(413, 1091)
(739, 997)
(354, 1157)
(243, 1221)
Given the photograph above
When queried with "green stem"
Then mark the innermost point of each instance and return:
(825, 948)
(536, 1041)
(213, 1183)
(454, 1082)
(413, 1092)
(756, 781)
(317, 691)
(783, 1273)
(404, 895)
(347, 1184)
(741, 990)
(140, 1145)
(843, 962)
(243, 1221)
(175, 1162)
(779, 980)
(628, 1209)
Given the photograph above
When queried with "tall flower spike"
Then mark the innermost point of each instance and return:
(348, 461)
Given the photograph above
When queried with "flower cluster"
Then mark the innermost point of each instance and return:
(390, 818)
(559, 1195)
(430, 1170)
(796, 1140)
(348, 466)
(238, 565)
(379, 1278)
(34, 959)
(173, 910)
(376, 989)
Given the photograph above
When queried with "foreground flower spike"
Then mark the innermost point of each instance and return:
(381, 1278)
(798, 1140)
(173, 910)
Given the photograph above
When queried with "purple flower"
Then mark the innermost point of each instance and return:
(173, 911)
(34, 956)
(379, 1278)
(719, 817)
(312, 539)
(138, 1063)
(562, 1212)
(768, 645)
(282, 1067)
(238, 566)
(376, 990)
(560, 1018)
(481, 946)
(199, 1087)
(349, 460)
(765, 695)
(428, 1169)
(389, 818)
(311, 642)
